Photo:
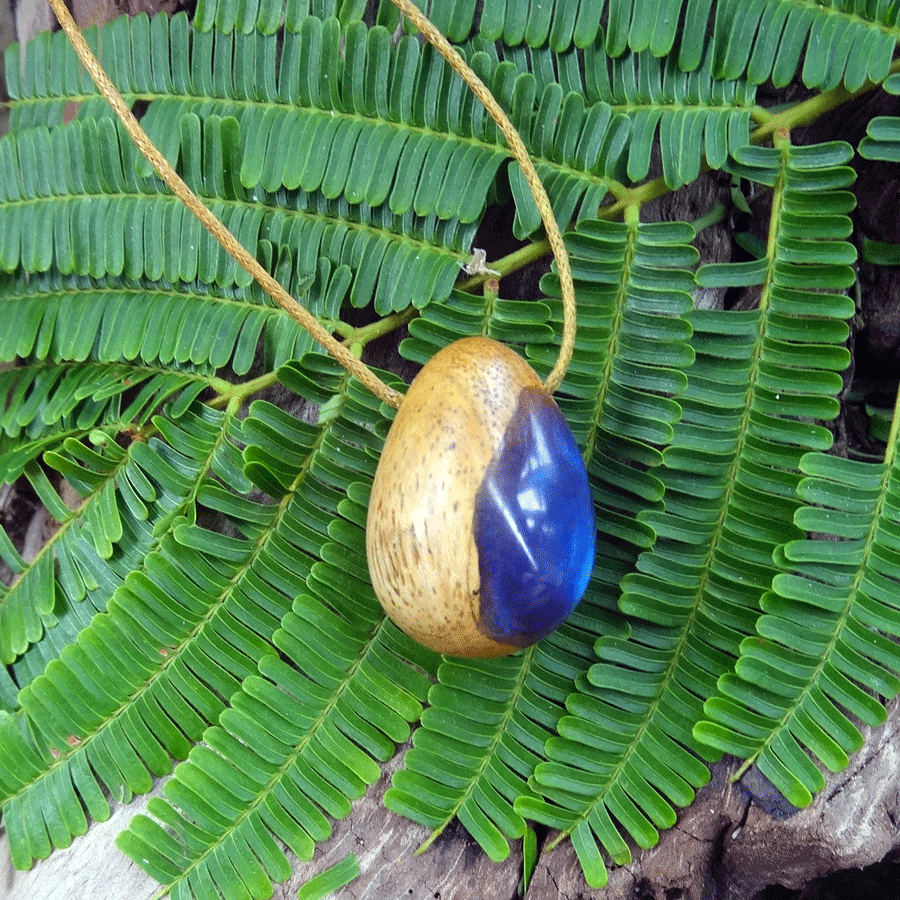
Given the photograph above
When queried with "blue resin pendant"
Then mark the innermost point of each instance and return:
(533, 525)
(480, 532)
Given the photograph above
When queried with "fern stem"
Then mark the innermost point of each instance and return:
(643, 193)
(339, 327)
(238, 393)
(807, 111)
(367, 333)
(761, 115)
(712, 217)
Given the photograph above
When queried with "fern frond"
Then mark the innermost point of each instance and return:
(823, 652)
(270, 770)
(148, 233)
(472, 767)
(632, 283)
(693, 115)
(346, 130)
(77, 569)
(626, 755)
(484, 732)
(575, 147)
(631, 280)
(301, 738)
(630, 24)
(838, 41)
(467, 315)
(697, 117)
(267, 16)
(191, 329)
(319, 110)
(145, 515)
(176, 630)
(49, 403)
(340, 123)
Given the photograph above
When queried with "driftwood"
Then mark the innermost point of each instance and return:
(728, 845)
(725, 846)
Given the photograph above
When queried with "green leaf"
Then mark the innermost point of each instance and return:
(628, 752)
(309, 724)
(331, 879)
(815, 637)
(215, 560)
(836, 42)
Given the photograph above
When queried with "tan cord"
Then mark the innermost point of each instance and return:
(248, 262)
(231, 244)
(515, 143)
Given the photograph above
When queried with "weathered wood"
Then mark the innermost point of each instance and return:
(453, 868)
(724, 847)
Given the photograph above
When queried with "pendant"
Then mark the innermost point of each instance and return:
(480, 532)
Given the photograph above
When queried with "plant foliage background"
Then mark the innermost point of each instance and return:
(207, 600)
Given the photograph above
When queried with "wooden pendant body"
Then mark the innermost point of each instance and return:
(419, 540)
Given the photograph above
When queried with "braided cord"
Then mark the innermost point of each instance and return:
(209, 221)
(248, 262)
(520, 152)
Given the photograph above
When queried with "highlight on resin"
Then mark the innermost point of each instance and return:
(480, 532)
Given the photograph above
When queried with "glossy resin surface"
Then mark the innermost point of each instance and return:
(478, 445)
(533, 525)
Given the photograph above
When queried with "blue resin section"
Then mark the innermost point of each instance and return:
(533, 525)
